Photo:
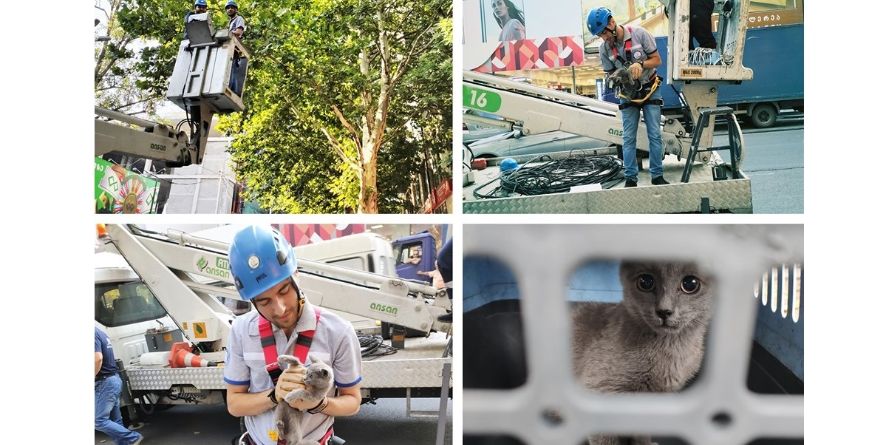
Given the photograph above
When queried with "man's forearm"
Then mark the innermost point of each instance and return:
(249, 404)
(342, 405)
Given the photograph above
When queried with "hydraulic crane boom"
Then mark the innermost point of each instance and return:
(187, 273)
(208, 78)
(539, 110)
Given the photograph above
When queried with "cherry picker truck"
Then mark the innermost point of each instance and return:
(200, 84)
(706, 184)
(187, 274)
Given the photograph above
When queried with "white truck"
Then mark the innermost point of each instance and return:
(153, 290)
(708, 186)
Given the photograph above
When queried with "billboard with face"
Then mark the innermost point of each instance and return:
(509, 35)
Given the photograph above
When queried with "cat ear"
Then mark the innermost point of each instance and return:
(313, 358)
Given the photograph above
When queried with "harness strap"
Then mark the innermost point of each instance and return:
(656, 82)
(627, 49)
(325, 439)
(269, 345)
(246, 439)
(658, 102)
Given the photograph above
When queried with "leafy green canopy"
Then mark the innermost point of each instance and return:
(306, 64)
(309, 60)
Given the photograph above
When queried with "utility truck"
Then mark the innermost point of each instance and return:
(155, 290)
(201, 84)
(707, 183)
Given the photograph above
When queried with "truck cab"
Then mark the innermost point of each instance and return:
(368, 252)
(126, 309)
(416, 257)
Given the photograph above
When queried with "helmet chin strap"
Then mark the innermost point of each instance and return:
(301, 298)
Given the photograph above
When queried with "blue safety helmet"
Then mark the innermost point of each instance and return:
(260, 258)
(508, 165)
(598, 20)
(231, 3)
(200, 3)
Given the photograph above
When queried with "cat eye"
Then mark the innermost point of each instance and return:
(690, 284)
(645, 282)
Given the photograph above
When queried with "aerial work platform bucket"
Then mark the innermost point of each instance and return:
(210, 69)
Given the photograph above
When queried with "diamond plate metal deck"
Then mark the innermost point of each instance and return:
(732, 195)
(162, 379)
(419, 365)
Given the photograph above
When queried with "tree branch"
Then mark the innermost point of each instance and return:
(414, 49)
(336, 146)
(345, 122)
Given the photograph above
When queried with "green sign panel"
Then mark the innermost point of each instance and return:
(482, 100)
(118, 190)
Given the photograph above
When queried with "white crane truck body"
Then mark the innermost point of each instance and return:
(174, 283)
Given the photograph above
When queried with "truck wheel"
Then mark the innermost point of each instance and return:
(764, 116)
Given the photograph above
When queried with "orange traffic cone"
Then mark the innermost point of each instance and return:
(181, 357)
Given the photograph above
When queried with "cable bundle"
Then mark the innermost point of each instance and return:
(557, 176)
(373, 346)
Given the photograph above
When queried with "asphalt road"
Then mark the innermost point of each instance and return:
(385, 422)
(773, 160)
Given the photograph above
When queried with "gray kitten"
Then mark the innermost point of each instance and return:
(318, 381)
(652, 341)
(620, 79)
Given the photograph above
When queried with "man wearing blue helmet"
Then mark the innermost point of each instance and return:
(236, 24)
(633, 49)
(263, 266)
(199, 8)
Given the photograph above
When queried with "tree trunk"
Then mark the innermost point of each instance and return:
(368, 187)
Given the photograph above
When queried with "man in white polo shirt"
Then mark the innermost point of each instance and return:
(263, 265)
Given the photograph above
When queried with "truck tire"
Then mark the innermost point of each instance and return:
(764, 115)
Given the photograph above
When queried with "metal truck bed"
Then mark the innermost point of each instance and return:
(419, 365)
(733, 195)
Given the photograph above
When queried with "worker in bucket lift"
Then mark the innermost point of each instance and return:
(237, 26)
(199, 8)
(107, 394)
(700, 28)
(263, 265)
(632, 49)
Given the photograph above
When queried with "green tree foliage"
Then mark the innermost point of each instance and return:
(344, 99)
(348, 101)
(132, 68)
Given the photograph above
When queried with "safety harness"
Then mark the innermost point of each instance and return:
(269, 345)
(302, 346)
(645, 90)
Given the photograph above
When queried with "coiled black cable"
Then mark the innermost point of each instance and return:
(557, 176)
(372, 346)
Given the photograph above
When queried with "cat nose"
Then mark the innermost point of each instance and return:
(664, 313)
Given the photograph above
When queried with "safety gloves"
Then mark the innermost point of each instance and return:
(636, 70)
(291, 379)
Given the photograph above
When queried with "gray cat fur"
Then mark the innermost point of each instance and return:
(620, 79)
(318, 381)
(623, 347)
